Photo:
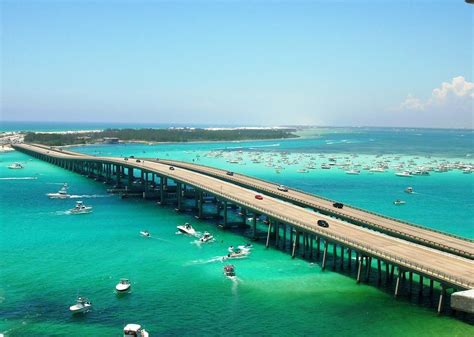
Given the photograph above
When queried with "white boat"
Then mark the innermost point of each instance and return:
(206, 237)
(15, 166)
(123, 286)
(81, 208)
(187, 229)
(145, 233)
(403, 174)
(82, 305)
(61, 194)
(467, 170)
(377, 170)
(399, 202)
(229, 271)
(409, 190)
(134, 330)
(238, 253)
(325, 167)
(353, 172)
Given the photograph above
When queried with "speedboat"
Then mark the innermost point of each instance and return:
(82, 305)
(81, 208)
(409, 190)
(377, 169)
(403, 174)
(399, 202)
(206, 237)
(61, 194)
(229, 271)
(145, 233)
(187, 229)
(134, 330)
(238, 253)
(123, 286)
(353, 171)
(15, 166)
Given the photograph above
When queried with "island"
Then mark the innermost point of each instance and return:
(170, 135)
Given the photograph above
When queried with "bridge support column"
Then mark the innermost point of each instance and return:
(397, 285)
(349, 259)
(318, 247)
(420, 290)
(268, 234)
(442, 295)
(254, 225)
(379, 271)
(334, 256)
(325, 253)
(431, 287)
(411, 281)
(311, 248)
(200, 204)
(225, 213)
(277, 233)
(341, 262)
(368, 265)
(284, 236)
(387, 272)
(130, 177)
(359, 266)
(179, 195)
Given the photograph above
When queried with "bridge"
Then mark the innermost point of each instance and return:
(289, 223)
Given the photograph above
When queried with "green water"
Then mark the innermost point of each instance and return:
(49, 257)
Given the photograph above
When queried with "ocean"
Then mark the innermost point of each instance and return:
(178, 289)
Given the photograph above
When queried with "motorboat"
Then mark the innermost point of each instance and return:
(81, 208)
(206, 237)
(15, 166)
(399, 202)
(82, 305)
(134, 330)
(409, 190)
(187, 229)
(377, 170)
(325, 167)
(61, 194)
(238, 253)
(145, 233)
(353, 172)
(403, 174)
(123, 286)
(229, 271)
(247, 246)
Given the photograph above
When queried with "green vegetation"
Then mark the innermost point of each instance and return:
(158, 135)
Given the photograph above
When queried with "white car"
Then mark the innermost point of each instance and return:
(282, 188)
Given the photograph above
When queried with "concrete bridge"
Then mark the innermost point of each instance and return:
(290, 225)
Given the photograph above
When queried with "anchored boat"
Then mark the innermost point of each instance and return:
(134, 330)
(123, 286)
(82, 305)
(187, 229)
(81, 208)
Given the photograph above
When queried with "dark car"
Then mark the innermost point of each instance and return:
(171, 168)
(138, 161)
(338, 205)
(229, 173)
(125, 158)
(323, 223)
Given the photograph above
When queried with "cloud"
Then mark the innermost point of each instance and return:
(458, 94)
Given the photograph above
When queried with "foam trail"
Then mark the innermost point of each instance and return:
(85, 196)
(19, 178)
(159, 239)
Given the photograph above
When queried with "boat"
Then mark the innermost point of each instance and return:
(377, 170)
(134, 330)
(82, 305)
(61, 194)
(145, 233)
(238, 253)
(123, 286)
(325, 167)
(399, 202)
(247, 246)
(81, 208)
(187, 229)
(206, 237)
(403, 174)
(353, 171)
(229, 271)
(15, 166)
(409, 190)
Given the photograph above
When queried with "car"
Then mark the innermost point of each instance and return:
(229, 173)
(125, 158)
(258, 197)
(282, 188)
(323, 223)
(171, 168)
(157, 159)
(338, 205)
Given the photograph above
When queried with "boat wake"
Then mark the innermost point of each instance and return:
(86, 196)
(19, 178)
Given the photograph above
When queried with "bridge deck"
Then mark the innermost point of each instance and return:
(450, 243)
(444, 267)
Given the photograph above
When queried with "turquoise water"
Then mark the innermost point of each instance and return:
(49, 257)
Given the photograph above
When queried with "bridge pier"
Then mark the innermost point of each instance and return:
(442, 295)
(325, 253)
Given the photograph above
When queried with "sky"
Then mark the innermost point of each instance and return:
(328, 63)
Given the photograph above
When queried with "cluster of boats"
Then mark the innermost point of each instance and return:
(305, 162)
(189, 230)
(79, 208)
(84, 305)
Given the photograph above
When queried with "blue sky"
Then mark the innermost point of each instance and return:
(239, 62)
